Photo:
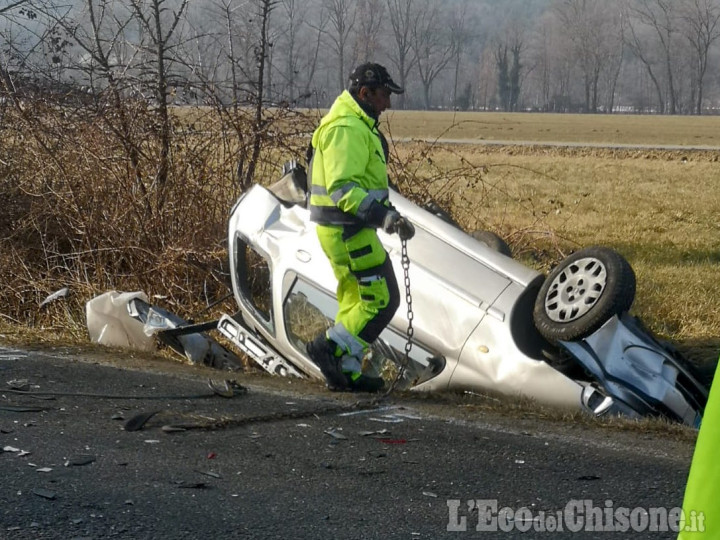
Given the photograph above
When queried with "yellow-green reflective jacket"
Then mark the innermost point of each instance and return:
(348, 172)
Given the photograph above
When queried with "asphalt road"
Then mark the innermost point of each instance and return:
(287, 459)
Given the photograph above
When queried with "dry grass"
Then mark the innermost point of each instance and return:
(572, 128)
(656, 207)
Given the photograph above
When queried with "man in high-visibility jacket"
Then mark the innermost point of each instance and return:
(349, 202)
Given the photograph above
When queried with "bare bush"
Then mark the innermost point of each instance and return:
(83, 207)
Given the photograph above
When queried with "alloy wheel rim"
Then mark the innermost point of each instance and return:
(575, 290)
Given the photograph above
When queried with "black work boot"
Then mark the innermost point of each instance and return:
(321, 352)
(365, 383)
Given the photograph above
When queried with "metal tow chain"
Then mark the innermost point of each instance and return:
(405, 261)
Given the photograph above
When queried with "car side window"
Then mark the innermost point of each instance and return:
(308, 310)
(254, 279)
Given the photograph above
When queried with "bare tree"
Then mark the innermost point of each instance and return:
(30, 45)
(661, 17)
(228, 9)
(105, 66)
(509, 67)
(484, 81)
(431, 44)
(590, 27)
(308, 55)
(371, 15)
(572, 54)
(159, 29)
(646, 55)
(341, 16)
(616, 59)
(546, 44)
(401, 15)
(461, 37)
(102, 42)
(296, 39)
(261, 48)
(25, 69)
(509, 45)
(701, 28)
(503, 69)
(294, 18)
(13, 5)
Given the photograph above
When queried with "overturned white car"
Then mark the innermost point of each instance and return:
(481, 320)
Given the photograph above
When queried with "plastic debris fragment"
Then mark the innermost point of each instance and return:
(44, 493)
(79, 461)
(60, 293)
(335, 434)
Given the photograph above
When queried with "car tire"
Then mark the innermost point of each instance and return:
(582, 293)
(493, 241)
(438, 211)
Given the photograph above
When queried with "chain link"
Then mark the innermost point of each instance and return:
(405, 261)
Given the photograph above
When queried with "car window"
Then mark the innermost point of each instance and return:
(387, 355)
(254, 282)
(308, 310)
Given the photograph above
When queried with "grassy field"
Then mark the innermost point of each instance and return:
(607, 129)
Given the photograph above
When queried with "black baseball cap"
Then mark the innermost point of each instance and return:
(374, 76)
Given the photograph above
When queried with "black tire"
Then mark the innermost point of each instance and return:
(493, 241)
(582, 293)
(437, 210)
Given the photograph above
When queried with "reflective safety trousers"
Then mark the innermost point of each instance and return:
(367, 290)
(701, 506)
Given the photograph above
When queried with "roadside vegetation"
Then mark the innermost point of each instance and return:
(90, 203)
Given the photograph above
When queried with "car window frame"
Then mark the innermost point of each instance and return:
(265, 320)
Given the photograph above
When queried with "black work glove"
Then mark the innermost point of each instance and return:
(395, 223)
(406, 230)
